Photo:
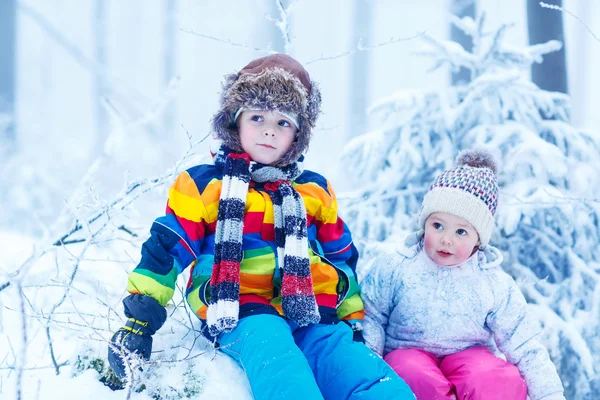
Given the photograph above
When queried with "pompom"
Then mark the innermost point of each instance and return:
(477, 158)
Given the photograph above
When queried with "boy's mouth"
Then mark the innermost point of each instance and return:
(443, 253)
(268, 146)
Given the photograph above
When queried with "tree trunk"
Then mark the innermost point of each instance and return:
(99, 24)
(462, 8)
(8, 38)
(169, 66)
(274, 35)
(359, 68)
(545, 24)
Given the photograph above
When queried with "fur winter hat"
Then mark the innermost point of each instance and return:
(469, 190)
(273, 83)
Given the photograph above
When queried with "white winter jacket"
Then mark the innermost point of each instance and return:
(411, 302)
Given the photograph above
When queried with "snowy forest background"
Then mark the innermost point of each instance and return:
(102, 103)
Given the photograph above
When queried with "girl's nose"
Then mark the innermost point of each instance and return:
(269, 133)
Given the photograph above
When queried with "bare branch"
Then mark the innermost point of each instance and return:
(359, 47)
(51, 347)
(80, 57)
(554, 7)
(228, 41)
(127, 230)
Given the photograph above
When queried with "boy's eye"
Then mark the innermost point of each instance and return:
(461, 232)
(256, 118)
(284, 123)
(437, 226)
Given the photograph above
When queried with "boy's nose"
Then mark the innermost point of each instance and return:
(445, 240)
(269, 133)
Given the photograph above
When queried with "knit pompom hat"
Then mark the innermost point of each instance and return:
(273, 83)
(469, 190)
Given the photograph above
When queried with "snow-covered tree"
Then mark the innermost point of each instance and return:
(548, 223)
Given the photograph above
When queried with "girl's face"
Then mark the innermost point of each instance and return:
(449, 240)
(266, 135)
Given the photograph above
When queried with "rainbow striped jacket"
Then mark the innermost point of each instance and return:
(184, 238)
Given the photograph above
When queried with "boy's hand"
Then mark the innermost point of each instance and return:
(134, 337)
(358, 337)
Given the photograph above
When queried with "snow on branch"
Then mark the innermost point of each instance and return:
(448, 52)
(465, 24)
(283, 23)
(497, 55)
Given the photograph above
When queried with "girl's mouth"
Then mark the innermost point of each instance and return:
(444, 254)
(267, 146)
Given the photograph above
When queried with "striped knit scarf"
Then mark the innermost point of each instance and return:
(298, 299)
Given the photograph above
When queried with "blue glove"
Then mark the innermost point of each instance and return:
(133, 337)
(145, 317)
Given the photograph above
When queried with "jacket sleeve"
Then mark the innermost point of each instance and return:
(378, 294)
(516, 336)
(174, 243)
(337, 248)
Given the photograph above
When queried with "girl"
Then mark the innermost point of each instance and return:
(435, 308)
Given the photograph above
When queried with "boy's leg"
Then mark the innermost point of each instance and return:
(264, 347)
(421, 372)
(345, 369)
(478, 374)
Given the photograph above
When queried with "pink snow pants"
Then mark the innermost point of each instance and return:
(472, 374)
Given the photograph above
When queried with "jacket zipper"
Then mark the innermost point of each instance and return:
(345, 294)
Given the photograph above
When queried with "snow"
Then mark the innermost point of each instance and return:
(81, 328)
(550, 167)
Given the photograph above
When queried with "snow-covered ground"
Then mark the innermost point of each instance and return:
(183, 364)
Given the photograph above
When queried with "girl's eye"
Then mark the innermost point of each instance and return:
(284, 123)
(437, 226)
(462, 232)
(256, 118)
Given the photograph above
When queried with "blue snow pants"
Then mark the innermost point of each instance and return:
(283, 361)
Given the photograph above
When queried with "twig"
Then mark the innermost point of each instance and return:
(133, 191)
(359, 47)
(23, 355)
(127, 230)
(51, 347)
(13, 368)
(554, 7)
(227, 41)
(4, 286)
(80, 56)
(60, 302)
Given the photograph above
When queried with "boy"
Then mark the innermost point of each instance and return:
(272, 265)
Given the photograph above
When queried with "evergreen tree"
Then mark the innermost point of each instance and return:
(548, 223)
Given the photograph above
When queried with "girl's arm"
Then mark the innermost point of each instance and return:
(516, 336)
(378, 290)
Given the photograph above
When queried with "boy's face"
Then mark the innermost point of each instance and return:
(449, 240)
(266, 135)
